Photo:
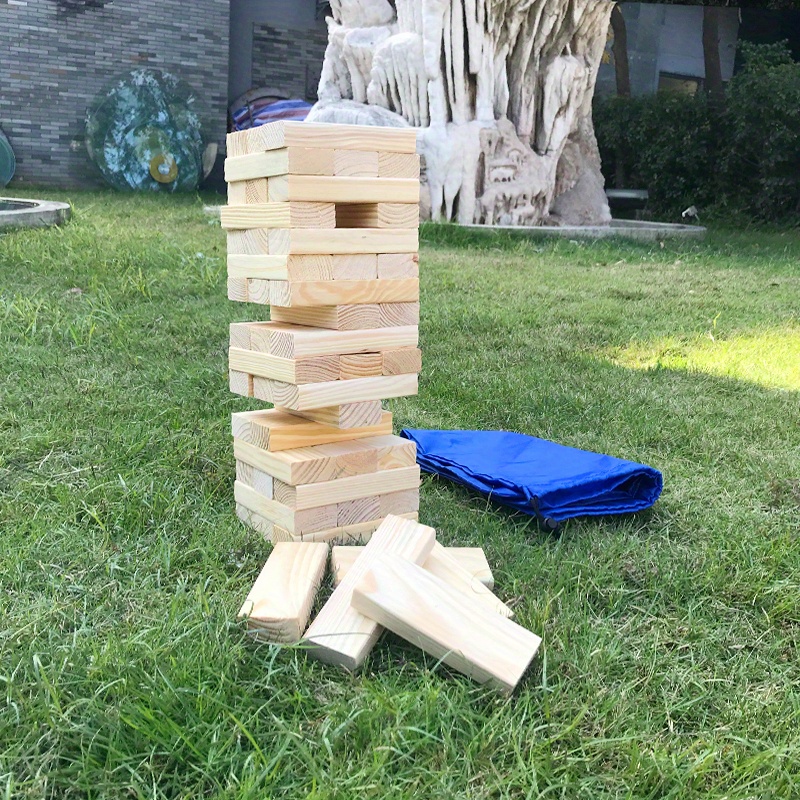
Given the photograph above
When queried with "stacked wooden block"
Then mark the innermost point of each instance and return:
(322, 225)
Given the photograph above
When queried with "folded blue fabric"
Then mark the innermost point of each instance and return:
(538, 477)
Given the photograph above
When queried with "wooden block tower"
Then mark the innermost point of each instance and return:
(322, 225)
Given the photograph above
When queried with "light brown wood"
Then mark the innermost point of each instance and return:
(236, 144)
(278, 215)
(322, 189)
(273, 430)
(346, 415)
(356, 163)
(402, 361)
(297, 341)
(339, 241)
(399, 502)
(350, 317)
(358, 533)
(398, 265)
(355, 267)
(394, 451)
(377, 215)
(237, 194)
(444, 622)
(240, 383)
(351, 512)
(472, 559)
(282, 268)
(289, 133)
(240, 334)
(340, 634)
(278, 606)
(314, 369)
(296, 521)
(237, 290)
(360, 365)
(294, 160)
(391, 314)
(256, 478)
(398, 165)
(250, 242)
(331, 293)
(333, 393)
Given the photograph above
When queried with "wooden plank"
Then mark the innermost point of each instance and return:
(339, 241)
(278, 606)
(314, 369)
(402, 361)
(323, 189)
(340, 634)
(399, 502)
(358, 533)
(240, 334)
(290, 133)
(273, 430)
(377, 215)
(278, 215)
(360, 365)
(355, 267)
(240, 383)
(444, 622)
(351, 512)
(355, 487)
(346, 415)
(331, 293)
(392, 314)
(297, 341)
(350, 317)
(296, 521)
(281, 268)
(237, 193)
(472, 559)
(356, 163)
(398, 265)
(244, 192)
(398, 165)
(294, 160)
(256, 478)
(249, 242)
(238, 288)
(311, 396)
(394, 451)
(236, 144)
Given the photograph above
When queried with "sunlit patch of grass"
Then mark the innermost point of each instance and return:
(768, 358)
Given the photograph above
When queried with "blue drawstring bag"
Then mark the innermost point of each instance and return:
(541, 478)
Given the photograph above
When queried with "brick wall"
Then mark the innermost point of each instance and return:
(55, 55)
(288, 60)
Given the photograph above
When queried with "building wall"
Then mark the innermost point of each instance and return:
(55, 55)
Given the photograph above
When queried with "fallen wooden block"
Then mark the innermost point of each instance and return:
(350, 317)
(340, 634)
(279, 604)
(273, 430)
(444, 622)
(472, 559)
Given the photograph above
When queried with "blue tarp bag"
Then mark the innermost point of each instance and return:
(541, 478)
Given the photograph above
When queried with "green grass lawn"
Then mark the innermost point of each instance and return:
(670, 662)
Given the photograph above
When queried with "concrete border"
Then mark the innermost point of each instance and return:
(629, 229)
(35, 213)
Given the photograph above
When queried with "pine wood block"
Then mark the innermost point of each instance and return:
(402, 361)
(250, 242)
(326, 394)
(244, 192)
(256, 478)
(360, 365)
(399, 502)
(339, 241)
(347, 415)
(351, 512)
(398, 165)
(237, 194)
(240, 334)
(278, 215)
(359, 532)
(356, 163)
(394, 452)
(235, 144)
(321, 189)
(355, 267)
(294, 160)
(447, 624)
(350, 317)
(331, 293)
(377, 215)
(283, 268)
(258, 291)
(240, 383)
(296, 521)
(340, 634)
(296, 341)
(398, 265)
(314, 369)
(394, 314)
(278, 606)
(237, 290)
(273, 430)
(472, 559)
(355, 487)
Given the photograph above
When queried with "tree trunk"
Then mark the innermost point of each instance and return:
(501, 91)
(715, 89)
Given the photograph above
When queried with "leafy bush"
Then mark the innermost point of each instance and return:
(743, 158)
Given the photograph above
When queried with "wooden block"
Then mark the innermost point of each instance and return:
(347, 415)
(237, 290)
(290, 133)
(278, 215)
(444, 622)
(394, 452)
(240, 334)
(398, 265)
(236, 144)
(350, 317)
(356, 163)
(294, 160)
(360, 365)
(296, 521)
(250, 242)
(331, 293)
(278, 606)
(358, 533)
(401, 502)
(355, 267)
(377, 215)
(273, 430)
(244, 192)
(296, 341)
(472, 559)
(256, 478)
(339, 241)
(237, 194)
(314, 369)
(281, 268)
(355, 487)
(392, 314)
(309, 396)
(402, 361)
(398, 165)
(321, 189)
(340, 634)
(240, 383)
(351, 512)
